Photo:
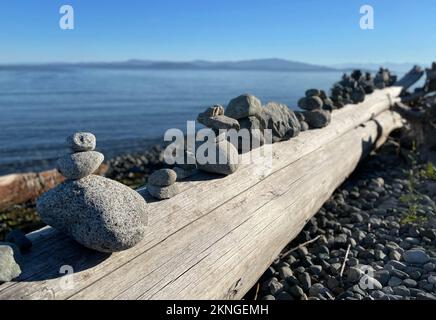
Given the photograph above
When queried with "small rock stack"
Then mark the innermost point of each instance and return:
(318, 109)
(97, 212)
(251, 115)
(84, 160)
(384, 78)
(162, 184)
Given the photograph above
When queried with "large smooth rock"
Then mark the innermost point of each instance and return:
(310, 103)
(280, 120)
(81, 141)
(224, 151)
(416, 256)
(97, 212)
(243, 106)
(162, 193)
(317, 119)
(9, 268)
(78, 165)
(163, 177)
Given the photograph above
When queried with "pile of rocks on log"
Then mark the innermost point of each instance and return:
(97, 212)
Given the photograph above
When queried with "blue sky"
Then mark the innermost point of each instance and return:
(315, 31)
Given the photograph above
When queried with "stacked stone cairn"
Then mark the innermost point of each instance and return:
(318, 108)
(215, 119)
(99, 213)
(384, 79)
(162, 184)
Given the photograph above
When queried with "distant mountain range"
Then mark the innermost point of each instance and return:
(242, 65)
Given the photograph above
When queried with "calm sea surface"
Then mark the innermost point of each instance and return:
(125, 109)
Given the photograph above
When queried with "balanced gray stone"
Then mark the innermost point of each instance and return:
(317, 119)
(280, 120)
(162, 193)
(163, 177)
(97, 212)
(310, 103)
(225, 152)
(354, 274)
(214, 118)
(243, 106)
(313, 92)
(18, 238)
(79, 165)
(9, 268)
(255, 132)
(416, 256)
(220, 123)
(81, 141)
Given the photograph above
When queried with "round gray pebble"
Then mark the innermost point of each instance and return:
(163, 177)
(81, 141)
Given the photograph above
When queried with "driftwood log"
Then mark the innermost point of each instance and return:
(215, 238)
(23, 187)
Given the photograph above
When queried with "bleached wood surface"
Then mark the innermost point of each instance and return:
(215, 238)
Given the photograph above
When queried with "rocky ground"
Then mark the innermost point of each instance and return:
(374, 239)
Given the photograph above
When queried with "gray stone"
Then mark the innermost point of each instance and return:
(432, 279)
(18, 238)
(315, 269)
(367, 282)
(274, 286)
(217, 121)
(81, 141)
(305, 281)
(401, 291)
(255, 131)
(243, 106)
(280, 120)
(9, 268)
(313, 92)
(163, 177)
(215, 110)
(225, 152)
(285, 272)
(425, 296)
(268, 297)
(317, 119)
(429, 267)
(394, 281)
(97, 212)
(382, 276)
(163, 193)
(416, 256)
(297, 292)
(410, 283)
(310, 103)
(318, 289)
(354, 274)
(79, 165)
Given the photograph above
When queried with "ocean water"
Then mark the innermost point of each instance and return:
(126, 109)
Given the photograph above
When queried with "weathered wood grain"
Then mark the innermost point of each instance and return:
(207, 208)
